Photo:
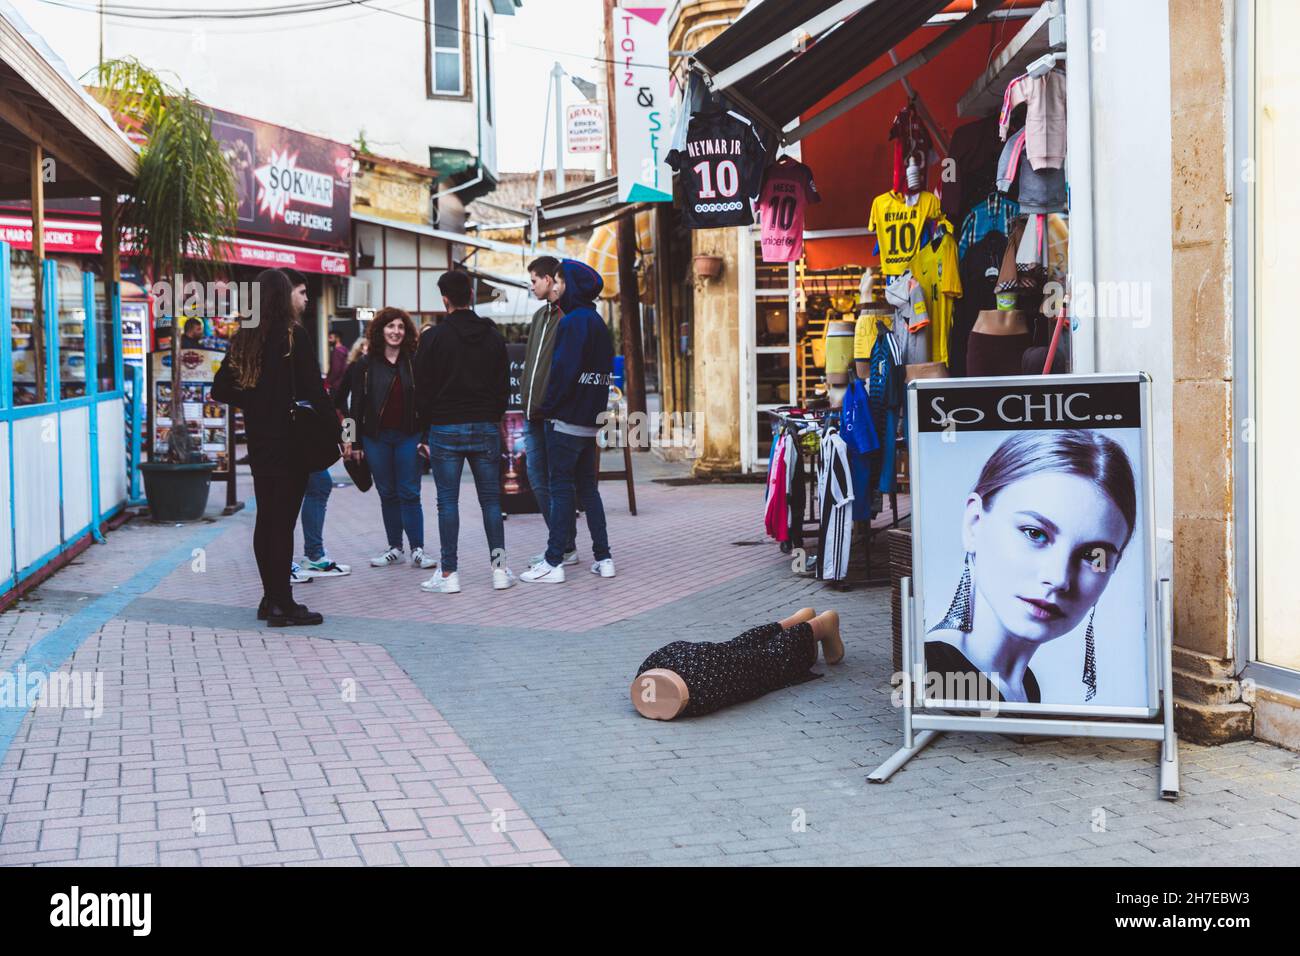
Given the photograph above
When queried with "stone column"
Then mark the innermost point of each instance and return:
(1208, 697)
(717, 356)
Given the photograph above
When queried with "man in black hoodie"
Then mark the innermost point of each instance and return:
(462, 380)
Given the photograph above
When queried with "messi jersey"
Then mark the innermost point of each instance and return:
(787, 188)
(898, 227)
(720, 170)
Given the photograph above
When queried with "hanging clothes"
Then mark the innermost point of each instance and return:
(995, 213)
(858, 430)
(835, 495)
(797, 489)
(898, 220)
(911, 319)
(720, 169)
(974, 153)
(885, 387)
(776, 513)
(936, 268)
(979, 276)
(787, 189)
(1044, 117)
(911, 145)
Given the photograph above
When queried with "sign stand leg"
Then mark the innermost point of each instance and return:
(1169, 785)
(912, 744)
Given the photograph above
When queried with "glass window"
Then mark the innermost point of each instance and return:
(72, 329)
(447, 72)
(22, 300)
(105, 341)
(1276, 119)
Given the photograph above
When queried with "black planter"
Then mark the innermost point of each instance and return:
(177, 492)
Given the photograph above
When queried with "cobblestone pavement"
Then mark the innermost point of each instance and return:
(491, 728)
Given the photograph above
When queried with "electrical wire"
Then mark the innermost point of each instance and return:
(311, 6)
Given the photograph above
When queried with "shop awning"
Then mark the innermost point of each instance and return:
(464, 239)
(758, 64)
(578, 210)
(82, 238)
(42, 103)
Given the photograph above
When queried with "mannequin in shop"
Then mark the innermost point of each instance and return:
(693, 678)
(998, 342)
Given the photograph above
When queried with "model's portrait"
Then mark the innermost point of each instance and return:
(1044, 531)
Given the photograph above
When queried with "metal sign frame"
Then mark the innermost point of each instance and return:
(924, 719)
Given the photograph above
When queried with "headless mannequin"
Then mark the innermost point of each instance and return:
(662, 694)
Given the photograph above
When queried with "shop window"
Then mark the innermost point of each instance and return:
(71, 325)
(773, 378)
(1276, 120)
(105, 341)
(22, 302)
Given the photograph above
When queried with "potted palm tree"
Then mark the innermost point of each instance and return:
(184, 202)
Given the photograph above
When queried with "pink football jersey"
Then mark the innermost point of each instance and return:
(787, 189)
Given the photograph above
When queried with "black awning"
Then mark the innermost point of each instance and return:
(786, 87)
(578, 210)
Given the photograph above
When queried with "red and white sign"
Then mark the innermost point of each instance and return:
(82, 238)
(586, 126)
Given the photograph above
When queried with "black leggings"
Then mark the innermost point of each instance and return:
(279, 499)
(763, 659)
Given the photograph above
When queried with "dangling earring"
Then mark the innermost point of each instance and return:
(1090, 659)
(961, 615)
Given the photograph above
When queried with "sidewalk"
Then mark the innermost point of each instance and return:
(491, 728)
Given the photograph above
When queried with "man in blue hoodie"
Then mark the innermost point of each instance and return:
(577, 392)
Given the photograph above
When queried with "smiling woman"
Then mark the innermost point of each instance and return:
(1043, 531)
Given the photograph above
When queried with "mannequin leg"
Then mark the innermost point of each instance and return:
(826, 631)
(798, 617)
(659, 694)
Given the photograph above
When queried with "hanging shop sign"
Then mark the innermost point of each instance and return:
(641, 98)
(1033, 597)
(586, 128)
(290, 185)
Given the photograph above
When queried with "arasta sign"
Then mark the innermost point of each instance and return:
(290, 185)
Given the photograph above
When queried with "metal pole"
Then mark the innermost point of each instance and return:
(557, 76)
(1169, 786)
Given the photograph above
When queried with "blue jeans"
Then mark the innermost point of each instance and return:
(573, 460)
(450, 446)
(538, 477)
(394, 459)
(319, 486)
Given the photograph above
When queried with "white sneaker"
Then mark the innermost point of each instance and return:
(390, 557)
(502, 578)
(442, 585)
(322, 568)
(543, 573)
(570, 557)
(296, 575)
(604, 568)
(421, 560)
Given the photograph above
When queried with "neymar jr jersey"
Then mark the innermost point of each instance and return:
(898, 227)
(787, 189)
(719, 170)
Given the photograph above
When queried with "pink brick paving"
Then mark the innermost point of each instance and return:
(681, 542)
(250, 735)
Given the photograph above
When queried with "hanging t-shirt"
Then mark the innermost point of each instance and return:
(898, 224)
(936, 268)
(787, 188)
(720, 169)
(835, 492)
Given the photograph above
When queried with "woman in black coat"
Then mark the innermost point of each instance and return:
(270, 364)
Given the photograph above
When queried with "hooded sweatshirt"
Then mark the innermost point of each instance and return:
(577, 391)
(462, 373)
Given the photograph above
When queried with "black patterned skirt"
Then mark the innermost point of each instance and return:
(717, 675)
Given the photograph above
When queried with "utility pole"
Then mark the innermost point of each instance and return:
(611, 121)
(557, 77)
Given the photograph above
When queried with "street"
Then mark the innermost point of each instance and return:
(494, 728)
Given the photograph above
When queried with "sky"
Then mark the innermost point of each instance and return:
(540, 33)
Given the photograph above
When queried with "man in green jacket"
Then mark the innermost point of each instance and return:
(544, 273)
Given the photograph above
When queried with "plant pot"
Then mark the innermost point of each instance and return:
(708, 267)
(177, 492)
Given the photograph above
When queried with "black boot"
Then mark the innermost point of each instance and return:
(261, 609)
(290, 614)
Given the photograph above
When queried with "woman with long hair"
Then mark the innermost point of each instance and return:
(378, 395)
(270, 365)
(1043, 531)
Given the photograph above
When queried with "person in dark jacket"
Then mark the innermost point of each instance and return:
(462, 377)
(543, 274)
(577, 395)
(377, 396)
(271, 365)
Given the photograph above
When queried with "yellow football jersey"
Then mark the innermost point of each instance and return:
(898, 227)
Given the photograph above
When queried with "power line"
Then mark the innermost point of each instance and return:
(312, 6)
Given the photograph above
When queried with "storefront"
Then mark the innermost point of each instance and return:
(63, 470)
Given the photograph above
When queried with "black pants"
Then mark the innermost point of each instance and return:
(279, 499)
(763, 659)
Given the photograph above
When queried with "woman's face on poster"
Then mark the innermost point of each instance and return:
(1044, 550)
